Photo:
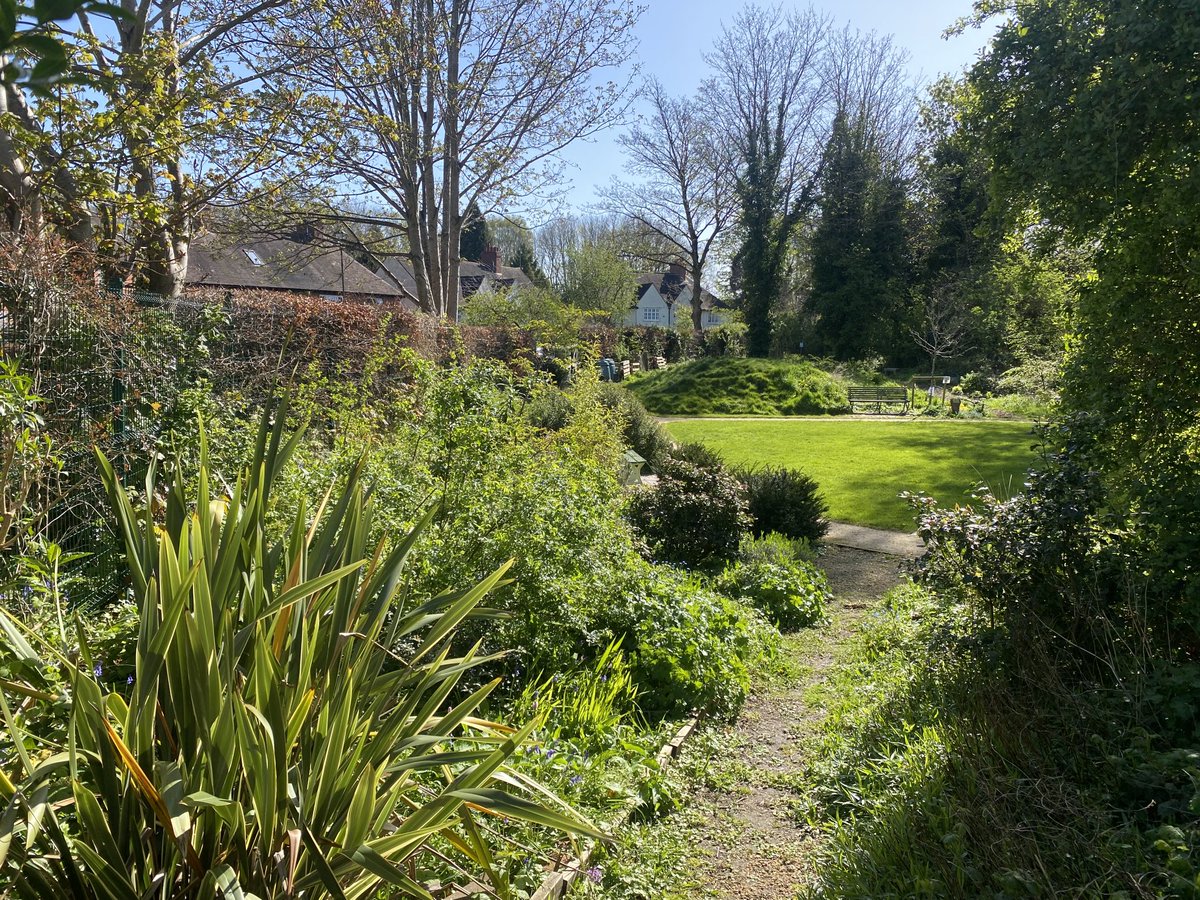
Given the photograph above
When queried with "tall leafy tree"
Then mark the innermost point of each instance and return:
(474, 239)
(860, 258)
(1087, 109)
(599, 278)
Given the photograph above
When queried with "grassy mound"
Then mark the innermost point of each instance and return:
(729, 386)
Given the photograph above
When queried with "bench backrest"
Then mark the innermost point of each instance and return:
(879, 394)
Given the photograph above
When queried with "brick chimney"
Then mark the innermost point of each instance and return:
(491, 259)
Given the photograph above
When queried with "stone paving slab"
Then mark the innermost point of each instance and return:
(875, 540)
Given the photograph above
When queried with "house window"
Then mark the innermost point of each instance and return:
(252, 256)
(650, 315)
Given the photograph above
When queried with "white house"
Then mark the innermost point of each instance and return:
(665, 301)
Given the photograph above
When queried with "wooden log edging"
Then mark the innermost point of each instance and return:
(555, 885)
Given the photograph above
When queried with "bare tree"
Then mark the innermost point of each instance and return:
(435, 104)
(685, 193)
(869, 82)
(945, 326)
(772, 101)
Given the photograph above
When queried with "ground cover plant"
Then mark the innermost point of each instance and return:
(862, 467)
(735, 386)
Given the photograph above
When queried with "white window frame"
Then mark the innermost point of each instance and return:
(650, 314)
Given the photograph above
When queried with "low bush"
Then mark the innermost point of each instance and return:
(699, 455)
(549, 408)
(785, 501)
(790, 594)
(693, 517)
(642, 432)
(773, 547)
(688, 647)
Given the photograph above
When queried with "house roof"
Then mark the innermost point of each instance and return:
(471, 276)
(282, 264)
(670, 285)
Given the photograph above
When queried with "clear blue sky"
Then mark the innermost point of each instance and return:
(673, 32)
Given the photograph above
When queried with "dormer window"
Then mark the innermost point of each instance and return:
(254, 258)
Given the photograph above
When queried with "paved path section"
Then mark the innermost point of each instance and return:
(875, 540)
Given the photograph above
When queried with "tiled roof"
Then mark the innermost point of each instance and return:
(282, 264)
(471, 276)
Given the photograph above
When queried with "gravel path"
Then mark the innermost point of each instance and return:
(752, 847)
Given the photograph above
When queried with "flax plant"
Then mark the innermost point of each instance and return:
(274, 742)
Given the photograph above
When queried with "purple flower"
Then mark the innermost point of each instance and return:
(98, 670)
(129, 680)
(596, 874)
(575, 779)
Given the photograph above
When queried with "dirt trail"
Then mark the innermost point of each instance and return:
(753, 847)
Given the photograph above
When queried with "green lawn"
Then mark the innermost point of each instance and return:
(862, 465)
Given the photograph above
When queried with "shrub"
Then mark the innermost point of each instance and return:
(642, 432)
(688, 647)
(785, 501)
(700, 455)
(693, 517)
(549, 408)
(265, 712)
(774, 547)
(792, 595)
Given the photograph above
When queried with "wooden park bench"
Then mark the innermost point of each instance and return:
(879, 397)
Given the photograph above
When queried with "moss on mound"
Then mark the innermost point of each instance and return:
(729, 386)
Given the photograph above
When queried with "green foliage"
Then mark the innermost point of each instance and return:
(775, 548)
(266, 711)
(1122, 97)
(549, 408)
(786, 501)
(588, 704)
(598, 278)
(741, 387)
(533, 308)
(28, 461)
(860, 256)
(791, 595)
(688, 646)
(693, 517)
(473, 238)
(932, 750)
(33, 53)
(698, 454)
(641, 431)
